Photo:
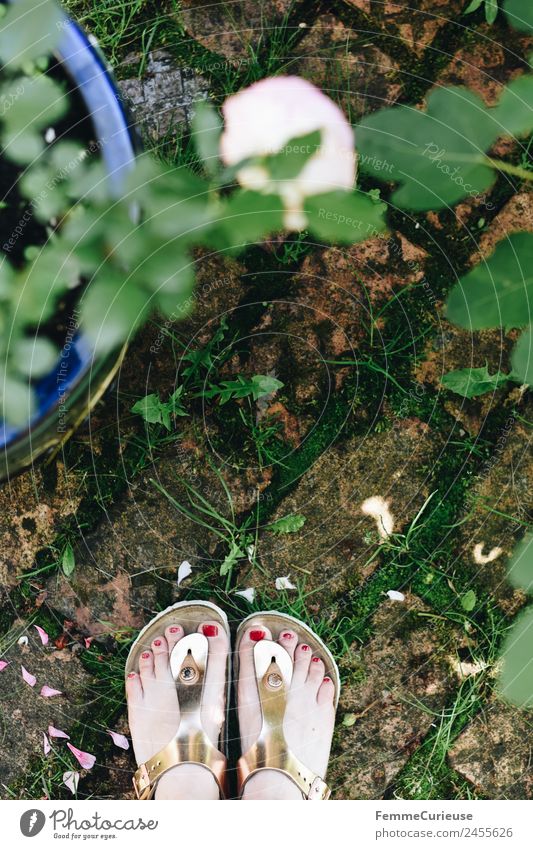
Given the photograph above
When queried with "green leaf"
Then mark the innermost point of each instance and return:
(206, 129)
(349, 719)
(233, 556)
(288, 524)
(519, 14)
(468, 601)
(28, 105)
(498, 291)
(516, 681)
(514, 111)
(344, 217)
(16, 399)
(491, 10)
(246, 217)
(111, 311)
(470, 382)
(522, 358)
(68, 563)
(437, 161)
(34, 357)
(520, 569)
(30, 30)
(149, 408)
(175, 404)
(290, 160)
(473, 7)
(264, 384)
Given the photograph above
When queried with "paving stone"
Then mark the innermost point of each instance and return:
(231, 29)
(406, 665)
(416, 25)
(347, 66)
(33, 507)
(24, 714)
(337, 548)
(164, 96)
(495, 752)
(501, 502)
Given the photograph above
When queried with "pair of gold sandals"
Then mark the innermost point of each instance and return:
(273, 670)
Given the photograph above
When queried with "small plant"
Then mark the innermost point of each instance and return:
(490, 6)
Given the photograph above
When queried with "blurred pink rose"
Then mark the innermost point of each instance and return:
(263, 118)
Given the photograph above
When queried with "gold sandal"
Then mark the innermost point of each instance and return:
(273, 671)
(188, 663)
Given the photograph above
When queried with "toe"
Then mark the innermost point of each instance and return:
(146, 666)
(302, 661)
(134, 690)
(326, 692)
(173, 634)
(160, 653)
(316, 673)
(247, 685)
(214, 694)
(289, 641)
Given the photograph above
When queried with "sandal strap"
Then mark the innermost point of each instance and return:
(312, 786)
(194, 748)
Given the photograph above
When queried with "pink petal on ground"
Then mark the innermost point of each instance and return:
(56, 732)
(88, 641)
(47, 692)
(119, 740)
(28, 677)
(85, 760)
(46, 745)
(43, 635)
(70, 780)
(3, 664)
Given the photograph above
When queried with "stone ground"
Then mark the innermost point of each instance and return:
(419, 715)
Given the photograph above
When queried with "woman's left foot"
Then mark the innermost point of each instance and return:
(309, 716)
(154, 711)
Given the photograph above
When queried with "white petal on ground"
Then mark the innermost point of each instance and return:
(56, 732)
(184, 571)
(285, 583)
(481, 558)
(119, 740)
(46, 744)
(85, 759)
(22, 641)
(394, 595)
(378, 508)
(71, 780)
(248, 594)
(464, 668)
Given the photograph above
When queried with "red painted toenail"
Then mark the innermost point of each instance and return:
(131, 674)
(316, 660)
(327, 680)
(287, 636)
(257, 635)
(157, 643)
(305, 648)
(210, 630)
(173, 630)
(145, 655)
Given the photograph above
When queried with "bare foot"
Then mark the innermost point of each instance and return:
(154, 712)
(309, 716)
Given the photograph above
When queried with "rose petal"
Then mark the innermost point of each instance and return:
(3, 664)
(119, 740)
(28, 677)
(46, 745)
(47, 692)
(86, 760)
(284, 584)
(394, 595)
(248, 594)
(88, 641)
(56, 732)
(43, 635)
(71, 780)
(184, 571)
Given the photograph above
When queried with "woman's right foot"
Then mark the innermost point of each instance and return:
(309, 716)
